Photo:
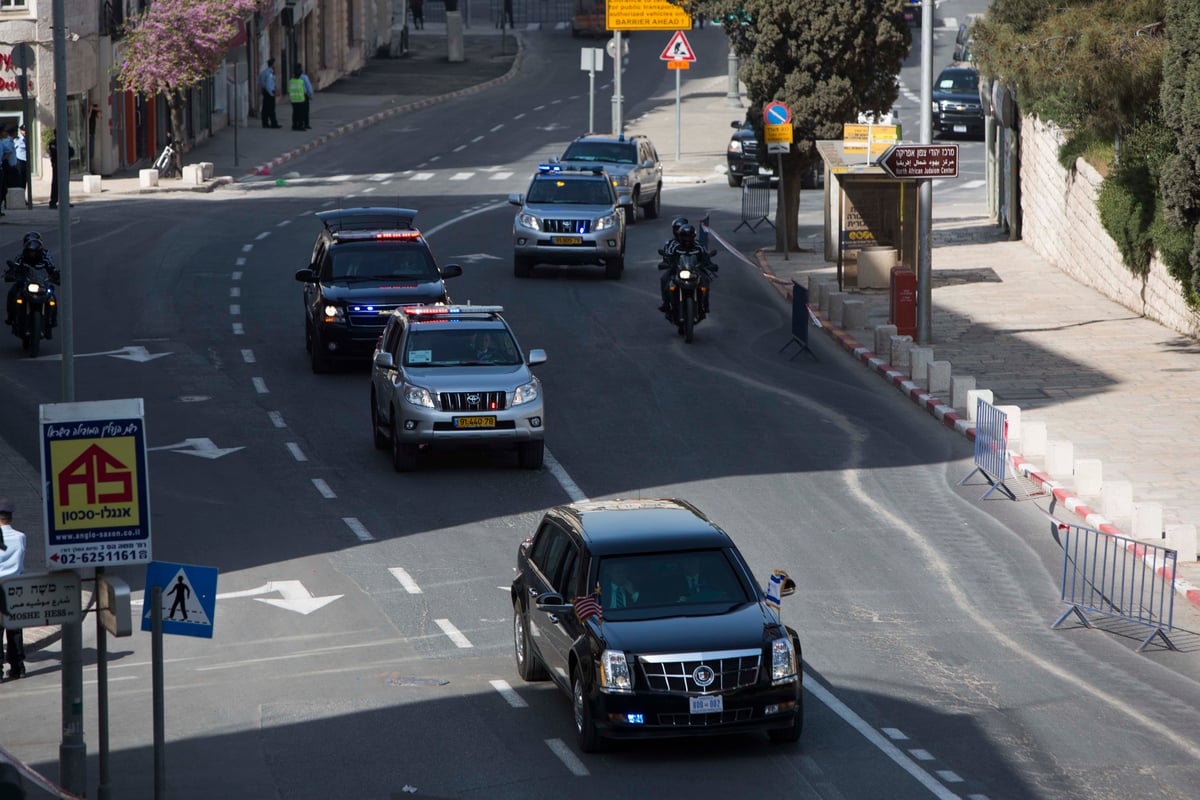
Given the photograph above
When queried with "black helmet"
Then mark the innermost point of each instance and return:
(687, 235)
(32, 235)
(33, 244)
(676, 224)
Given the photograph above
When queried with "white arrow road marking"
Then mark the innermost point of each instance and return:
(204, 448)
(453, 633)
(133, 352)
(295, 596)
(508, 693)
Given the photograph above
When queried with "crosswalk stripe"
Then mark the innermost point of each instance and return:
(421, 176)
(501, 176)
(462, 176)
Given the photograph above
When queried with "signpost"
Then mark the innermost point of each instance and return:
(678, 54)
(41, 600)
(637, 15)
(921, 161)
(591, 61)
(779, 134)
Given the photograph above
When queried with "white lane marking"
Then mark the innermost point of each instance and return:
(235, 309)
(871, 735)
(260, 386)
(240, 261)
(921, 755)
(237, 275)
(453, 633)
(248, 356)
(341, 178)
(459, 149)
(238, 330)
(462, 176)
(539, 108)
(509, 694)
(496, 128)
(235, 291)
(406, 580)
(477, 139)
(276, 419)
(262, 236)
(368, 189)
(500, 176)
(283, 222)
(296, 452)
(948, 776)
(421, 176)
(519, 116)
(894, 733)
(358, 529)
(380, 177)
(564, 480)
(323, 488)
(977, 797)
(435, 158)
(246, 248)
(555, 102)
(569, 759)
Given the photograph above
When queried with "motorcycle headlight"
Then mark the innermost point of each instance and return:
(334, 313)
(529, 221)
(614, 673)
(685, 274)
(606, 223)
(33, 288)
(783, 661)
(526, 394)
(417, 396)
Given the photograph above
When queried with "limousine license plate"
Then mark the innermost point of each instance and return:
(709, 704)
(960, 128)
(474, 422)
(568, 240)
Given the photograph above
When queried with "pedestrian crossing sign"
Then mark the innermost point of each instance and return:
(188, 601)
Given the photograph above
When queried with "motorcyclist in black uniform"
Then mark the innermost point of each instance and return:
(33, 254)
(685, 242)
(667, 252)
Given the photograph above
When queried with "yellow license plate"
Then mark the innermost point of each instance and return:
(568, 240)
(474, 422)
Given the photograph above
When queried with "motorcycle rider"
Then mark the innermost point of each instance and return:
(668, 251)
(685, 242)
(33, 254)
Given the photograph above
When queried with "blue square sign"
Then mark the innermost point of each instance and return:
(189, 598)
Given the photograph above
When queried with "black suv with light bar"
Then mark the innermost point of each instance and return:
(450, 376)
(647, 616)
(366, 263)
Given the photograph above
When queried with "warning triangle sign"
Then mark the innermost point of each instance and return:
(678, 49)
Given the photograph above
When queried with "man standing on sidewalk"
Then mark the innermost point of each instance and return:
(300, 93)
(12, 562)
(266, 86)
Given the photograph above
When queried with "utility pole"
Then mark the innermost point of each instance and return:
(925, 190)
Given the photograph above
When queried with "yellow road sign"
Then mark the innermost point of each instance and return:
(779, 134)
(855, 137)
(645, 15)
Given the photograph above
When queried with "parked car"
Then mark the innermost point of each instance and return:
(645, 613)
(963, 43)
(956, 106)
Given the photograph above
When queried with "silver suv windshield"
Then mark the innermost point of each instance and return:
(447, 347)
(577, 192)
(609, 152)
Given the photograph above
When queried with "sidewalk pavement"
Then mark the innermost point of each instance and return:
(1114, 384)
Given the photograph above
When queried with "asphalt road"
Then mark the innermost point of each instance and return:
(931, 668)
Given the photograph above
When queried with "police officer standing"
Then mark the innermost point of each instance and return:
(300, 93)
(12, 562)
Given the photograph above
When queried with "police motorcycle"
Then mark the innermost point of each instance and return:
(33, 303)
(692, 272)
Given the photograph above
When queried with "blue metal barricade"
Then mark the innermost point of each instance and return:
(991, 447)
(1117, 577)
(756, 201)
(800, 321)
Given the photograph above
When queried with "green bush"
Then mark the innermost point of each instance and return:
(1127, 212)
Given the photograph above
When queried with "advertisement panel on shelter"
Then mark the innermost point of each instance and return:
(96, 488)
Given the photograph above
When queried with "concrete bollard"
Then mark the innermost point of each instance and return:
(827, 288)
(836, 300)
(15, 197)
(973, 398)
(1012, 417)
(900, 347)
(959, 386)
(939, 377)
(91, 184)
(1116, 499)
(192, 175)
(1033, 438)
(1089, 477)
(1060, 458)
(1182, 538)
(207, 170)
(1147, 521)
(854, 315)
(883, 340)
(147, 178)
(918, 364)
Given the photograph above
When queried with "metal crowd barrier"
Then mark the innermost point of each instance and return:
(756, 201)
(1117, 577)
(801, 316)
(991, 447)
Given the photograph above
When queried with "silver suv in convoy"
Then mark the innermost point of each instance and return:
(454, 375)
(568, 216)
(631, 162)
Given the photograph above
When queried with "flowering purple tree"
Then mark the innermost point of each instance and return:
(175, 45)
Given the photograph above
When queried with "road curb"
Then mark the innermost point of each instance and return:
(955, 421)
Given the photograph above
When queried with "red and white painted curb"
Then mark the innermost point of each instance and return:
(952, 419)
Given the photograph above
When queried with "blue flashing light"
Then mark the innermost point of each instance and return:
(548, 168)
(635, 719)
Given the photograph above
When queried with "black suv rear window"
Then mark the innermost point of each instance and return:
(583, 192)
(383, 261)
(614, 152)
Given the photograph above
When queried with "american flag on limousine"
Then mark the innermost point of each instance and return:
(589, 606)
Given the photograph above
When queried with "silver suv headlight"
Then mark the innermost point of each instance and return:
(783, 661)
(529, 221)
(614, 673)
(526, 394)
(606, 223)
(620, 180)
(417, 395)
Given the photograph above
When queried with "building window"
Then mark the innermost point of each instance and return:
(12, 5)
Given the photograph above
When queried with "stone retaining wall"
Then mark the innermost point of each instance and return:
(1060, 221)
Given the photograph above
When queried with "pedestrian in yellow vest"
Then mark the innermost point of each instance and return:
(300, 93)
